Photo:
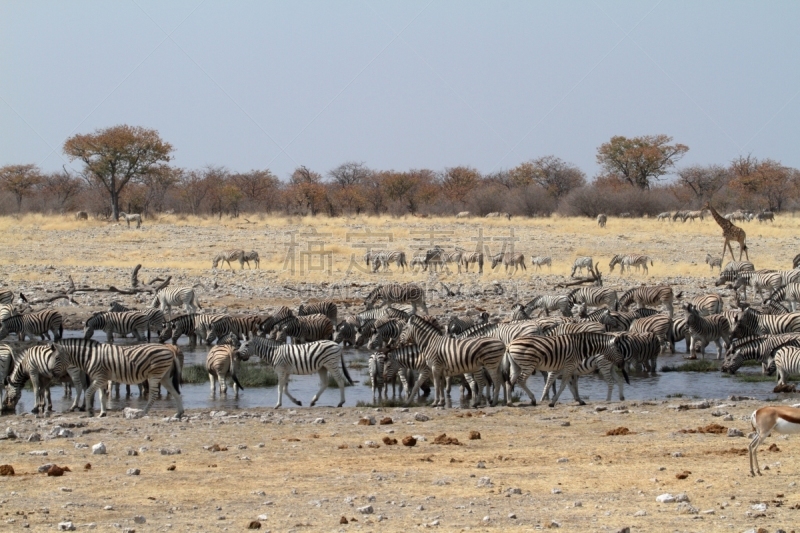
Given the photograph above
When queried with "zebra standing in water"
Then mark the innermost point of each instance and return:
(38, 323)
(593, 297)
(630, 261)
(7, 361)
(132, 217)
(244, 327)
(251, 256)
(321, 357)
(447, 357)
(751, 322)
(787, 362)
(640, 350)
(325, 307)
(155, 316)
(581, 263)
(192, 325)
(468, 258)
(120, 323)
(41, 364)
(223, 362)
(228, 256)
(509, 259)
(645, 296)
(376, 364)
(539, 262)
(707, 304)
(409, 293)
(176, 296)
(788, 293)
(706, 329)
(387, 331)
(305, 329)
(756, 348)
(402, 362)
(548, 303)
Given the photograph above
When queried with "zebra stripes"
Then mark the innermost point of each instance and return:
(176, 296)
(569, 328)
(39, 323)
(506, 332)
(409, 293)
(540, 261)
(509, 259)
(192, 325)
(456, 325)
(707, 329)
(7, 360)
(120, 323)
(707, 304)
(325, 307)
(621, 321)
(303, 329)
(243, 327)
(629, 262)
(472, 258)
(387, 331)
(269, 323)
(756, 347)
(227, 256)
(376, 365)
(546, 303)
(772, 281)
(418, 261)
(131, 217)
(382, 259)
(41, 364)
(640, 350)
(252, 255)
(787, 362)
(322, 357)
(222, 362)
(593, 297)
(788, 293)
(155, 317)
(646, 296)
(6, 297)
(581, 263)
(751, 322)
(714, 262)
(403, 362)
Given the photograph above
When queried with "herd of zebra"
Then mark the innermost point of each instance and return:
(584, 330)
(734, 216)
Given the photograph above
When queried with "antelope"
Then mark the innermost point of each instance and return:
(778, 418)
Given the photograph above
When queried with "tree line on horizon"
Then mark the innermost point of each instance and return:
(127, 168)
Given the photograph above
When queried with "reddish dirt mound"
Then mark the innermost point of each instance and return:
(444, 439)
(389, 441)
(618, 431)
(474, 435)
(773, 448)
(409, 441)
(6, 470)
(730, 451)
(711, 428)
(683, 475)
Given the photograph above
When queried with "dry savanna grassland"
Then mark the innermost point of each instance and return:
(597, 467)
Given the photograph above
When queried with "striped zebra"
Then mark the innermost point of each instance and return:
(386, 333)
(156, 318)
(222, 362)
(546, 303)
(738, 266)
(796, 261)
(392, 293)
(569, 328)
(403, 362)
(509, 259)
(540, 261)
(506, 332)
(468, 258)
(418, 261)
(176, 296)
(518, 313)
(630, 262)
(252, 255)
(39, 323)
(766, 215)
(496, 214)
(603, 364)
(303, 329)
(438, 257)
(787, 363)
(243, 327)
(714, 262)
(704, 330)
(593, 297)
(446, 356)
(648, 295)
(751, 322)
(640, 350)
(692, 215)
(621, 321)
(131, 217)
(679, 215)
(707, 304)
(41, 364)
(581, 263)
(325, 307)
(666, 215)
(730, 277)
(6, 297)
(7, 310)
(601, 220)
(7, 363)
(376, 365)
(659, 324)
(119, 323)
(756, 348)
(678, 332)
(561, 356)
(345, 333)
(192, 325)
(382, 260)
(788, 293)
(456, 325)
(270, 321)
(227, 256)
(771, 281)
(322, 357)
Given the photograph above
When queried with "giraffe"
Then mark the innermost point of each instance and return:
(730, 232)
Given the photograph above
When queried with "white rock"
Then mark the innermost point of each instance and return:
(682, 497)
(45, 467)
(556, 491)
(562, 460)
(419, 417)
(734, 432)
(41, 453)
(686, 508)
(485, 482)
(641, 512)
(760, 507)
(139, 519)
(99, 449)
(665, 498)
(133, 472)
(261, 517)
(319, 420)
(66, 526)
(367, 509)
(130, 413)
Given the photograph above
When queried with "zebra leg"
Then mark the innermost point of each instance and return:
(153, 383)
(564, 381)
(719, 348)
(548, 384)
(497, 380)
(166, 380)
(223, 385)
(75, 375)
(100, 385)
(295, 400)
(212, 380)
(424, 375)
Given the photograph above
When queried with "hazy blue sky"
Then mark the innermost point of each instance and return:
(399, 85)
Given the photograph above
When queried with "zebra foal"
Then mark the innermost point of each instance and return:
(222, 362)
(707, 329)
(41, 364)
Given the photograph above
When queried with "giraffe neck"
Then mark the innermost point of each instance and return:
(723, 222)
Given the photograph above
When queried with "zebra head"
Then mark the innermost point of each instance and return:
(496, 259)
(616, 260)
(96, 321)
(216, 261)
(231, 339)
(117, 307)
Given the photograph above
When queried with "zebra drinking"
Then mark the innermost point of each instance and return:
(39, 323)
(392, 293)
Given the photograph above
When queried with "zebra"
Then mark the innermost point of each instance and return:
(41, 364)
(6, 297)
(640, 350)
(756, 347)
(496, 214)
(463, 214)
(712, 262)
(268, 323)
(766, 215)
(305, 329)
(679, 332)
(169, 296)
(751, 322)
(244, 327)
(787, 362)
(468, 258)
(132, 217)
(386, 333)
(155, 316)
(437, 256)
(796, 261)
(7, 310)
(39, 323)
(418, 261)
(602, 363)
(345, 333)
(325, 307)
(506, 332)
(456, 325)
(320, 357)
(547, 303)
(707, 304)
(540, 261)
(228, 256)
(759, 281)
(593, 296)
(659, 324)
(7, 363)
(223, 361)
(252, 255)
(446, 356)
(644, 296)
(621, 321)
(706, 329)
(410, 293)
(376, 364)
(402, 362)
(561, 356)
(738, 266)
(192, 325)
(692, 215)
(601, 220)
(788, 293)
(568, 328)
(509, 259)
(81, 215)
(581, 263)
(397, 257)
(630, 261)
(120, 323)
(666, 215)
(518, 312)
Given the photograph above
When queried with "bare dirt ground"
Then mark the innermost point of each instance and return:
(545, 467)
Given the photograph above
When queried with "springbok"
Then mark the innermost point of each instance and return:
(778, 418)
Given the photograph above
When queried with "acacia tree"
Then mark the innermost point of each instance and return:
(704, 180)
(767, 178)
(116, 156)
(458, 182)
(553, 174)
(258, 187)
(63, 187)
(639, 160)
(306, 192)
(20, 180)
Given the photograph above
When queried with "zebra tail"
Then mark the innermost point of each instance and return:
(176, 374)
(625, 374)
(236, 380)
(344, 370)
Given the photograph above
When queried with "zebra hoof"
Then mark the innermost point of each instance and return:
(101, 415)
(298, 402)
(340, 404)
(581, 402)
(552, 404)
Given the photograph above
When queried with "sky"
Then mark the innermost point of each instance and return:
(400, 85)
